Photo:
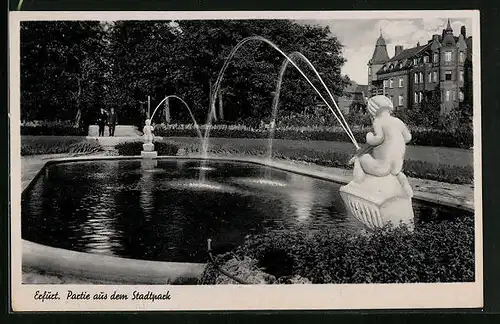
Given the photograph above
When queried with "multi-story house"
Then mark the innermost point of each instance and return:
(440, 68)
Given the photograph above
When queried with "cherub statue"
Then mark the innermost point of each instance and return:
(148, 132)
(387, 145)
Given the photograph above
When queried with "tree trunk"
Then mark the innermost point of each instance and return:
(78, 116)
(210, 108)
(167, 111)
(221, 108)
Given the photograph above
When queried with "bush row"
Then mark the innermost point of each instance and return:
(461, 138)
(135, 148)
(434, 252)
(53, 131)
(56, 145)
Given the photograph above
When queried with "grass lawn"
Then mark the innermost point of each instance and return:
(434, 155)
(439, 164)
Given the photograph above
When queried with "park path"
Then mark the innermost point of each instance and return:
(434, 155)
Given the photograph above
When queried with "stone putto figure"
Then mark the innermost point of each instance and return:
(387, 143)
(148, 132)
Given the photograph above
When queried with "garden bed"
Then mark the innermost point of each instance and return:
(461, 138)
(437, 251)
(37, 145)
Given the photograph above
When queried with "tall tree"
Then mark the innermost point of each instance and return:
(159, 58)
(61, 69)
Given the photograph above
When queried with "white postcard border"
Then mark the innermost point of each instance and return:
(253, 297)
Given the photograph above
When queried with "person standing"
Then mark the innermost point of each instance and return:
(101, 121)
(112, 121)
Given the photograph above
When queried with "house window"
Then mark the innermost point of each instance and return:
(461, 76)
(400, 100)
(447, 56)
(447, 95)
(421, 77)
(415, 97)
(415, 61)
(435, 57)
(385, 83)
(401, 80)
(391, 83)
(454, 95)
(462, 57)
(369, 70)
(429, 77)
(416, 77)
(461, 96)
(435, 76)
(420, 97)
(447, 75)
(426, 59)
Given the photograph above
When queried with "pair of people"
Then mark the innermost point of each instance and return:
(104, 118)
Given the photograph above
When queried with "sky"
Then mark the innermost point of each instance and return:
(359, 37)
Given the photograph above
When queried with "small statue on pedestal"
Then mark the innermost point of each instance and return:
(380, 192)
(148, 132)
(148, 148)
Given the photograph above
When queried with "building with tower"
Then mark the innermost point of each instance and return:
(440, 69)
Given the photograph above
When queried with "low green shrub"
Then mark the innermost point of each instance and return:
(135, 148)
(36, 145)
(434, 252)
(460, 138)
(53, 131)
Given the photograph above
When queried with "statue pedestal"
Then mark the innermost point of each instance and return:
(148, 151)
(149, 164)
(375, 201)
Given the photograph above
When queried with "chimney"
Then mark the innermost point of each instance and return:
(398, 49)
(435, 37)
(462, 31)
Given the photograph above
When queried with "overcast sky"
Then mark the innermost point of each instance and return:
(359, 37)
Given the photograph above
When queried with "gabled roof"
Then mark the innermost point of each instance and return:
(409, 53)
(361, 88)
(403, 60)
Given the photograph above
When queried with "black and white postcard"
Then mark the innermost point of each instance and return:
(245, 160)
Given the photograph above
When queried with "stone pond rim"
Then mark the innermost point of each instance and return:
(117, 269)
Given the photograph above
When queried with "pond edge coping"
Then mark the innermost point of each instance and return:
(122, 270)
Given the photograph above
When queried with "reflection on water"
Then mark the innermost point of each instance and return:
(136, 209)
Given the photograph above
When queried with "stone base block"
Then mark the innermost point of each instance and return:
(376, 201)
(148, 147)
(149, 164)
(149, 155)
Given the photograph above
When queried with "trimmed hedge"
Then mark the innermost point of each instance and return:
(461, 138)
(135, 148)
(53, 131)
(435, 252)
(37, 145)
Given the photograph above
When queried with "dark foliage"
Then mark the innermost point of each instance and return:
(135, 148)
(434, 252)
(53, 131)
(35, 145)
(460, 138)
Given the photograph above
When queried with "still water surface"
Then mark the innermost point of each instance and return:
(128, 209)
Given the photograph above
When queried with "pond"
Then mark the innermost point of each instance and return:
(165, 213)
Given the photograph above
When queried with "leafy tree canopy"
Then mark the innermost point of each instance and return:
(70, 68)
